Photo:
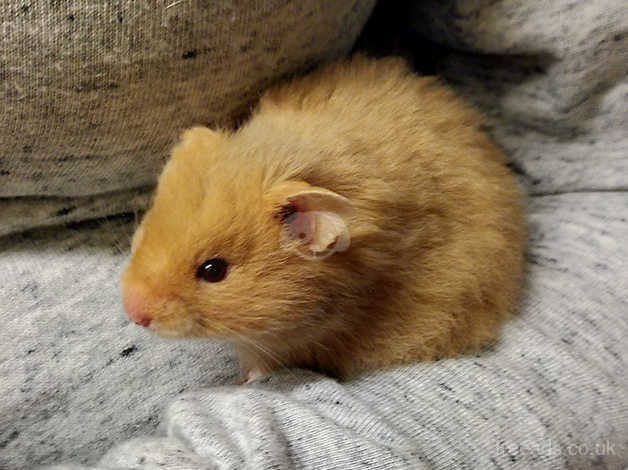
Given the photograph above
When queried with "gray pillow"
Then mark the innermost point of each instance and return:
(93, 93)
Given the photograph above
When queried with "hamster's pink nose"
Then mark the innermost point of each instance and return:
(136, 309)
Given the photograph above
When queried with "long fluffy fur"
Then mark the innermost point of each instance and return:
(437, 237)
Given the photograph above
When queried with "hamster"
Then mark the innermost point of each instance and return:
(360, 219)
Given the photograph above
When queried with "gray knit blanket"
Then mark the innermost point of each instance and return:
(79, 384)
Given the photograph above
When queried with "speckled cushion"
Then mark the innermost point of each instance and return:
(93, 93)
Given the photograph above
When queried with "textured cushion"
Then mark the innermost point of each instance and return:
(94, 93)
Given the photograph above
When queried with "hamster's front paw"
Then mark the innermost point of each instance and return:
(248, 376)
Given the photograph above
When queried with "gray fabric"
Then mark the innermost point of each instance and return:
(556, 382)
(94, 93)
(557, 378)
(552, 75)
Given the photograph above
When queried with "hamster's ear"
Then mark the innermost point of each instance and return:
(197, 141)
(199, 134)
(311, 214)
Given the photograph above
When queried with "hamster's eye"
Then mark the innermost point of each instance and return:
(212, 270)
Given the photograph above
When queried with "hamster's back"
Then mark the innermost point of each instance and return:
(413, 158)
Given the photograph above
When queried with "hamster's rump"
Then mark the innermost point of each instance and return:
(434, 226)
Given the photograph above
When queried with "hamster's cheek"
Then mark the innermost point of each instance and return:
(173, 321)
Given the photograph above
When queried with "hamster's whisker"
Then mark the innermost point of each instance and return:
(273, 357)
(199, 320)
(257, 346)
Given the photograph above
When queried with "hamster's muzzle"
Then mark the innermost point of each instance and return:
(135, 308)
(163, 312)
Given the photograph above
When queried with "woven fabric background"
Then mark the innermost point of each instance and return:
(94, 93)
(553, 76)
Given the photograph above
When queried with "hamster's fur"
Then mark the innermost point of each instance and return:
(435, 220)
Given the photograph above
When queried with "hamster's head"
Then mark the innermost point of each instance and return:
(229, 249)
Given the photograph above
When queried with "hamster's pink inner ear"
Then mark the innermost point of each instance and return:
(311, 214)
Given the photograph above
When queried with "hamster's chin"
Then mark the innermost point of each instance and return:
(169, 334)
(181, 330)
